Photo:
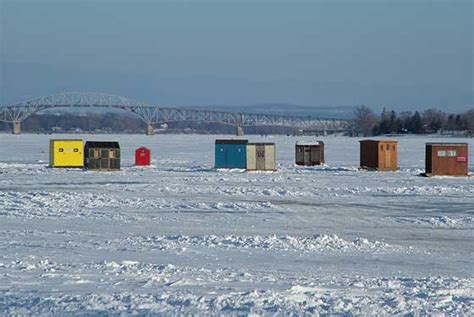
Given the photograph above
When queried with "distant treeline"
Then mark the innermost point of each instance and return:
(366, 123)
(113, 122)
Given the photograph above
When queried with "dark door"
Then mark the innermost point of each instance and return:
(260, 149)
(307, 156)
(300, 155)
(316, 155)
(104, 163)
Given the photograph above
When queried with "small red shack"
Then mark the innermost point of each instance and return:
(450, 159)
(142, 156)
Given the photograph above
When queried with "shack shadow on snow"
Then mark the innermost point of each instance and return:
(187, 169)
(322, 169)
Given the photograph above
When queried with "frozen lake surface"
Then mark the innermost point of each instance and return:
(181, 238)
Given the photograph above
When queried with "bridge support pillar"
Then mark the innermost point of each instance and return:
(150, 129)
(239, 131)
(16, 127)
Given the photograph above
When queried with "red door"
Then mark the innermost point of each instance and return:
(142, 156)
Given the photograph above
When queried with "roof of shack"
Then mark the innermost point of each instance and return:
(103, 144)
(232, 141)
(261, 143)
(65, 140)
(309, 143)
(446, 144)
(379, 141)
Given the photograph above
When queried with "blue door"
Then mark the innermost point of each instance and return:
(237, 156)
(220, 156)
(231, 156)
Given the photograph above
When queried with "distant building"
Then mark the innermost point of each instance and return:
(231, 154)
(101, 155)
(309, 153)
(261, 157)
(380, 155)
(66, 153)
(450, 159)
(142, 156)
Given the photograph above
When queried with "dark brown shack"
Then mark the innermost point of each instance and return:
(102, 156)
(309, 153)
(380, 155)
(449, 159)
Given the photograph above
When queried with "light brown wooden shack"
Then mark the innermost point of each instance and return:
(380, 155)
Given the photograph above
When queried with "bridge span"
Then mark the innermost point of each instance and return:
(152, 115)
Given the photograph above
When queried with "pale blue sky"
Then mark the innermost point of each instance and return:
(402, 54)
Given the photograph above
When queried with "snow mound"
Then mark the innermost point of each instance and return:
(30, 168)
(440, 222)
(377, 296)
(42, 204)
(316, 243)
(404, 190)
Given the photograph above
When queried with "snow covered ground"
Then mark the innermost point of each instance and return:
(182, 238)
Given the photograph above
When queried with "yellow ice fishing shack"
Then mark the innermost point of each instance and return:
(66, 153)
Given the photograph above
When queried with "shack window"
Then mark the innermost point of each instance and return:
(387, 147)
(393, 147)
(441, 153)
(76, 150)
(104, 153)
(452, 153)
(61, 149)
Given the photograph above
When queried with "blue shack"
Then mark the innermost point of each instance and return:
(231, 154)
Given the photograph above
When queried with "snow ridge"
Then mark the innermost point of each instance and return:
(316, 243)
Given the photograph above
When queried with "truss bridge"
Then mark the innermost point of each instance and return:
(153, 115)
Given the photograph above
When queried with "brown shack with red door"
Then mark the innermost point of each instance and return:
(450, 159)
(142, 156)
(379, 155)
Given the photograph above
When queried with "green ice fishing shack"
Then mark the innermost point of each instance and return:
(231, 154)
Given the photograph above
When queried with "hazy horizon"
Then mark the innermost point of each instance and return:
(403, 55)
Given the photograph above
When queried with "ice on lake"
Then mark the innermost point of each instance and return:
(181, 238)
